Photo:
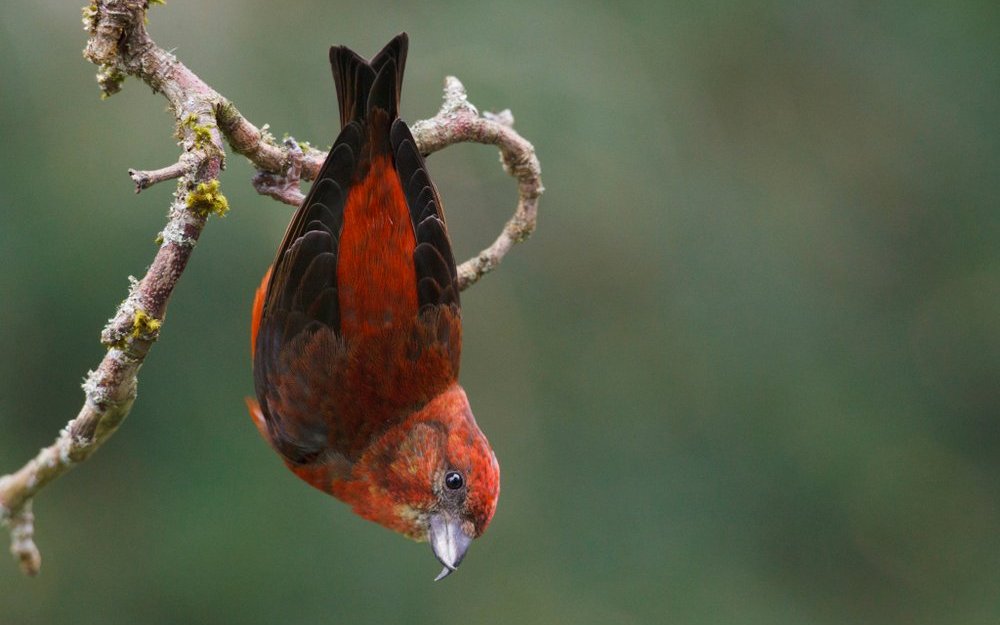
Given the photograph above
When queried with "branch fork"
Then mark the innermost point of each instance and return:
(283, 187)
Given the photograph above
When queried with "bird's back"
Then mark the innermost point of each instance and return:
(358, 321)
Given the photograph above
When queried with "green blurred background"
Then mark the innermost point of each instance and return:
(747, 370)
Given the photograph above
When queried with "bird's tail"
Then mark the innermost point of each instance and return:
(363, 86)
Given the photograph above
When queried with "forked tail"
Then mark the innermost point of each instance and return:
(364, 86)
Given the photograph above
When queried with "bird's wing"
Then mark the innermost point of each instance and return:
(359, 322)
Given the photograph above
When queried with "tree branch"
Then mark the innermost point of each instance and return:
(120, 46)
(145, 179)
(458, 121)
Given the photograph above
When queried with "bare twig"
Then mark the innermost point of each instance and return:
(145, 179)
(22, 539)
(259, 146)
(459, 121)
(120, 46)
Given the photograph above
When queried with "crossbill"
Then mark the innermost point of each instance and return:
(357, 331)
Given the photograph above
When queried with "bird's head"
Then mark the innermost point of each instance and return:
(432, 477)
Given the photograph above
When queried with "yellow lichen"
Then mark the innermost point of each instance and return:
(90, 15)
(206, 199)
(143, 324)
(202, 134)
(110, 80)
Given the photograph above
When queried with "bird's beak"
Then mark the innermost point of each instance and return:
(448, 541)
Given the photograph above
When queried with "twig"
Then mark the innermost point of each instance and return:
(283, 187)
(145, 179)
(120, 46)
(458, 121)
(22, 543)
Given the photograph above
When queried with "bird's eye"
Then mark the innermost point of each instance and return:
(454, 480)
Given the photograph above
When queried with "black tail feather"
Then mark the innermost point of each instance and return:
(363, 86)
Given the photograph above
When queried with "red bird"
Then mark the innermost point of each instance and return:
(357, 331)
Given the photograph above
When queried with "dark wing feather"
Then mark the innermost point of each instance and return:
(305, 269)
(302, 302)
(321, 392)
(437, 277)
(297, 342)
